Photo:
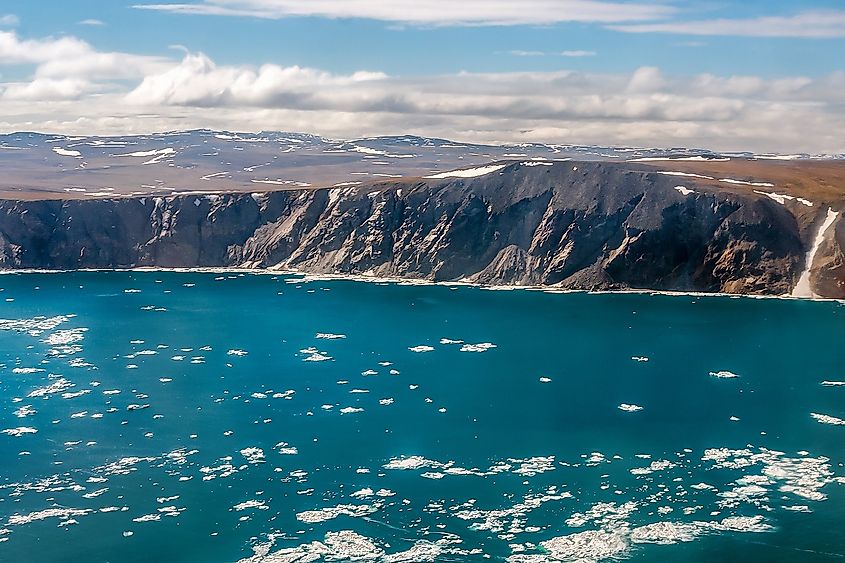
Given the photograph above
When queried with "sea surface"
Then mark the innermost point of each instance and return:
(220, 417)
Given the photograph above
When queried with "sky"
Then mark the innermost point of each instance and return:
(725, 75)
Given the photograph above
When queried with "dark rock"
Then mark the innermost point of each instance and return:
(585, 225)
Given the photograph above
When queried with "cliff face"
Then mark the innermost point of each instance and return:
(580, 225)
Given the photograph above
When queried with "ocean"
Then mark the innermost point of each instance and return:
(224, 417)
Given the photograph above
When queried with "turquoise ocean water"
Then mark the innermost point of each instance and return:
(215, 417)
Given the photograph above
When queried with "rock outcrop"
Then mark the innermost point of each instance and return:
(588, 225)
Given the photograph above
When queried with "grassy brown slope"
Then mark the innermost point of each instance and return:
(821, 181)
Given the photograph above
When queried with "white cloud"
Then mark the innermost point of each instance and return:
(578, 53)
(70, 57)
(46, 89)
(811, 24)
(571, 54)
(92, 22)
(17, 51)
(9, 20)
(646, 79)
(198, 81)
(76, 89)
(67, 67)
(432, 12)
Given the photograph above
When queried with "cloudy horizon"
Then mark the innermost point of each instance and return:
(554, 71)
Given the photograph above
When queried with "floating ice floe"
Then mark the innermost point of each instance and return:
(833, 383)
(410, 462)
(253, 455)
(724, 374)
(330, 513)
(251, 505)
(236, 352)
(285, 449)
(421, 348)
(314, 355)
(57, 512)
(329, 336)
(629, 407)
(654, 466)
(24, 411)
(19, 431)
(827, 419)
(482, 347)
(26, 371)
(59, 385)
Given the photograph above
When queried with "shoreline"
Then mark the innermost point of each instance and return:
(309, 277)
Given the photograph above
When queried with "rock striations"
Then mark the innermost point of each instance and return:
(580, 225)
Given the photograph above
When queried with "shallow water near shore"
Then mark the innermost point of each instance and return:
(205, 417)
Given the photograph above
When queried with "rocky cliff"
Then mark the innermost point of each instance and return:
(591, 225)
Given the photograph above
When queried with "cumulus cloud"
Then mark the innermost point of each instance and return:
(73, 57)
(431, 12)
(92, 22)
(198, 81)
(67, 67)
(9, 20)
(75, 89)
(810, 24)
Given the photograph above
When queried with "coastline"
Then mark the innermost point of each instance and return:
(309, 277)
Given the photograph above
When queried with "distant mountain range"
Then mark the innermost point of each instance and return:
(202, 161)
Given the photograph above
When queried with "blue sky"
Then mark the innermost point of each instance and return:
(585, 55)
(345, 45)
